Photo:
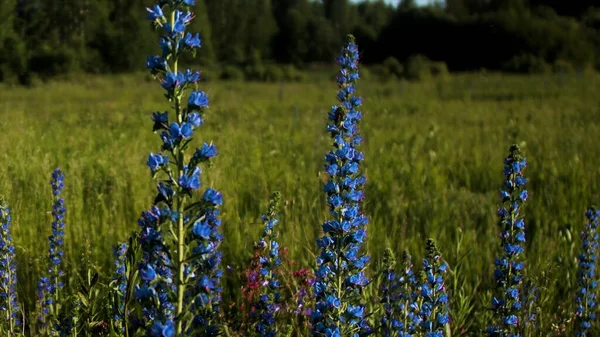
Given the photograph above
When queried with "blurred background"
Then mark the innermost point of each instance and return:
(270, 39)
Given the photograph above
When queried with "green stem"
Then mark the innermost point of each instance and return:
(180, 239)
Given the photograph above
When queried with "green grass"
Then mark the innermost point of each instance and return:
(434, 153)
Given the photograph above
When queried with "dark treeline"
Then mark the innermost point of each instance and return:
(46, 38)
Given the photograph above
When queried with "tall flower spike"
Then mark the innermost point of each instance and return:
(120, 282)
(9, 306)
(50, 285)
(268, 304)
(399, 297)
(180, 272)
(508, 272)
(434, 308)
(340, 270)
(585, 301)
(388, 292)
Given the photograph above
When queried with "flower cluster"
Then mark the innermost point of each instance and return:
(49, 286)
(388, 291)
(585, 301)
(434, 309)
(180, 276)
(120, 281)
(305, 280)
(508, 273)
(400, 298)
(9, 306)
(268, 304)
(156, 277)
(340, 268)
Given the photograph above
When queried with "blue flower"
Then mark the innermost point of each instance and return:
(155, 13)
(161, 120)
(213, 197)
(156, 161)
(160, 329)
(585, 300)
(190, 182)
(206, 152)
(156, 64)
(173, 81)
(508, 273)
(434, 311)
(195, 119)
(198, 100)
(171, 282)
(191, 41)
(50, 284)
(178, 132)
(11, 312)
(340, 262)
(266, 308)
(181, 21)
(120, 279)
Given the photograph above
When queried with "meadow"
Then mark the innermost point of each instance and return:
(433, 159)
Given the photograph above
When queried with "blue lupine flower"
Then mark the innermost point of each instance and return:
(156, 64)
(213, 197)
(264, 314)
(206, 152)
(399, 297)
(434, 309)
(9, 306)
(195, 119)
(120, 280)
(155, 269)
(340, 263)
(155, 13)
(155, 161)
(190, 182)
(198, 100)
(172, 280)
(585, 300)
(173, 81)
(161, 120)
(191, 77)
(191, 41)
(48, 286)
(160, 329)
(508, 272)
(181, 21)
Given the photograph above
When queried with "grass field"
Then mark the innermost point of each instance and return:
(433, 151)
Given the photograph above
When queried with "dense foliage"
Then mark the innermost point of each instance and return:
(48, 38)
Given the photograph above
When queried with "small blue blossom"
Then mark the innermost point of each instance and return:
(156, 64)
(190, 181)
(191, 41)
(198, 100)
(156, 161)
(155, 13)
(212, 197)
